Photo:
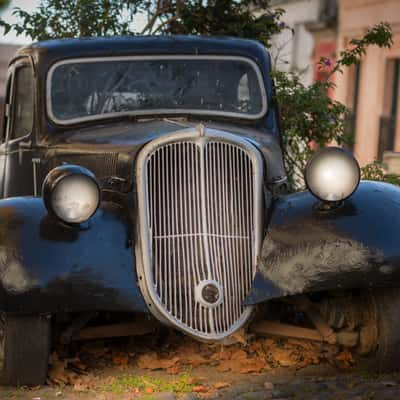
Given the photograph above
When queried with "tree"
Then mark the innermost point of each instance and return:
(83, 18)
(75, 18)
(309, 115)
(4, 4)
(216, 17)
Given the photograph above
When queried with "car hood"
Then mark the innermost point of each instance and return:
(126, 139)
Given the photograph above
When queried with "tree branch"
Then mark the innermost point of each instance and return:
(167, 21)
(158, 12)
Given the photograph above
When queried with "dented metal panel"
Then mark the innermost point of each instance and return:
(353, 246)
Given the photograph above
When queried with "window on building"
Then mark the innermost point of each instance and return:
(388, 120)
(352, 101)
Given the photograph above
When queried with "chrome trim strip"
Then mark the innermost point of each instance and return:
(217, 326)
(159, 111)
(35, 163)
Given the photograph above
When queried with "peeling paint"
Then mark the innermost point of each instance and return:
(15, 278)
(306, 264)
(13, 275)
(352, 246)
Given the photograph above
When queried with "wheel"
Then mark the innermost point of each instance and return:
(24, 349)
(387, 305)
(375, 316)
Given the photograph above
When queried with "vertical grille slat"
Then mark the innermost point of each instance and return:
(201, 200)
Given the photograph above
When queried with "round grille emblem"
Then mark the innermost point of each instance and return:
(209, 293)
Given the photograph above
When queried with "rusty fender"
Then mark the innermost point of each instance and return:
(356, 245)
(46, 266)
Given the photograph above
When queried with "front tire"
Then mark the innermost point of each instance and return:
(24, 349)
(387, 305)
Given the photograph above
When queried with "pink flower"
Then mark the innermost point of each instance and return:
(327, 62)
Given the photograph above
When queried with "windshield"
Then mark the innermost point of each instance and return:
(86, 89)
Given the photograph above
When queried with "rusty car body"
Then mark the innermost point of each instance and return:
(192, 227)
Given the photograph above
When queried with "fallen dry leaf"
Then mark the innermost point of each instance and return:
(346, 358)
(225, 355)
(221, 385)
(241, 336)
(120, 359)
(168, 362)
(268, 385)
(224, 367)
(148, 361)
(80, 385)
(200, 389)
(192, 381)
(270, 343)
(311, 358)
(174, 370)
(252, 365)
(284, 357)
(152, 362)
(242, 365)
(304, 344)
(257, 347)
(195, 360)
(239, 355)
(187, 348)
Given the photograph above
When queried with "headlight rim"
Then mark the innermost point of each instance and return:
(319, 153)
(55, 176)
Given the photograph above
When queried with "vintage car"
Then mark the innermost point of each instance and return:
(143, 186)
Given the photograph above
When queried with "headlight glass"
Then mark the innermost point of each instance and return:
(332, 174)
(75, 198)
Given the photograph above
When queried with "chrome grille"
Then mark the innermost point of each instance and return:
(201, 197)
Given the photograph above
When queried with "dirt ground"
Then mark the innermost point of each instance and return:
(171, 366)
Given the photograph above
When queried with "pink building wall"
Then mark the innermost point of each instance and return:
(355, 17)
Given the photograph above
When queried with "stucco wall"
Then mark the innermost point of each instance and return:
(355, 17)
(293, 52)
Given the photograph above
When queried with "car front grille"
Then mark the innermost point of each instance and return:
(201, 199)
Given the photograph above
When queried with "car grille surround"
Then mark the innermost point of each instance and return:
(200, 211)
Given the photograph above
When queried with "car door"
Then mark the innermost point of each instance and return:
(16, 149)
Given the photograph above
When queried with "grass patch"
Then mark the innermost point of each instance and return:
(183, 384)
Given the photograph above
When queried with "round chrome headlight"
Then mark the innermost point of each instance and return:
(332, 174)
(71, 193)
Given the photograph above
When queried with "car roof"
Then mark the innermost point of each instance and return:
(50, 51)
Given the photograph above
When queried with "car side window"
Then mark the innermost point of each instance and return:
(6, 110)
(22, 102)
